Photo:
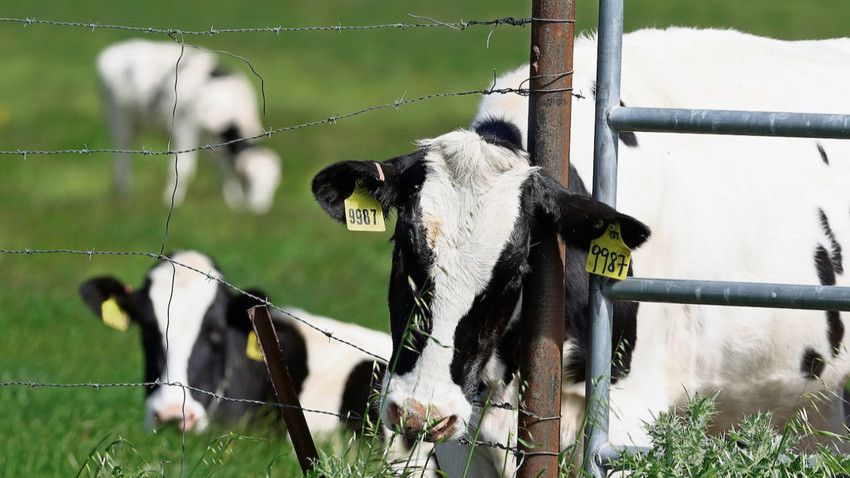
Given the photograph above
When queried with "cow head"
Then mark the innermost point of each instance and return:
(467, 204)
(181, 314)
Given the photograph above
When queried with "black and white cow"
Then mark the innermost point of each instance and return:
(188, 93)
(721, 208)
(195, 333)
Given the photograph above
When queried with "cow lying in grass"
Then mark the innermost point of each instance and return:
(196, 334)
(720, 208)
(187, 93)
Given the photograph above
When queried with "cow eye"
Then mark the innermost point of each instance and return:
(216, 337)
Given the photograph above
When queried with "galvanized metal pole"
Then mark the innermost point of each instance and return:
(754, 123)
(543, 295)
(610, 40)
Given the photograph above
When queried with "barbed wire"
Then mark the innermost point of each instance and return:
(207, 274)
(223, 398)
(432, 23)
(158, 383)
(86, 151)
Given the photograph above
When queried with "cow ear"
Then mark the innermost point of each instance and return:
(237, 309)
(388, 182)
(110, 300)
(578, 217)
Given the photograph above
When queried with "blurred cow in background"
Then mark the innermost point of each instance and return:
(187, 92)
(195, 333)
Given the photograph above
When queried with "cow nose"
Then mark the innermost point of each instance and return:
(414, 419)
(184, 418)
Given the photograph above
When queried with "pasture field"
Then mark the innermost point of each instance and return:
(49, 102)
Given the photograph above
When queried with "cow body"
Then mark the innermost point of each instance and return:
(187, 93)
(721, 208)
(748, 209)
(195, 333)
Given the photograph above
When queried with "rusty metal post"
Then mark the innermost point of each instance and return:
(543, 295)
(296, 424)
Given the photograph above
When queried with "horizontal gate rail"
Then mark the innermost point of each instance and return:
(752, 123)
(742, 294)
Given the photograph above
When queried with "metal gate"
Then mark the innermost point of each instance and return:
(611, 118)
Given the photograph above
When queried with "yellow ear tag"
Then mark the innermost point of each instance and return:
(252, 349)
(113, 315)
(609, 256)
(363, 212)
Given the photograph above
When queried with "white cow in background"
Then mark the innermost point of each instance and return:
(140, 79)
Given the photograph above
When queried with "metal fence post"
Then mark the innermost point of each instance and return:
(610, 38)
(543, 296)
(293, 415)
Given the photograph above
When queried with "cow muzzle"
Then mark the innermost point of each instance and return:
(413, 419)
(185, 418)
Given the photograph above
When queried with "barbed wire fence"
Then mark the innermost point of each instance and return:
(179, 36)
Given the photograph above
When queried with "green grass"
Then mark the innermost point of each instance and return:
(48, 101)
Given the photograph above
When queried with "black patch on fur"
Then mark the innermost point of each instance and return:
(508, 349)
(478, 333)
(501, 133)
(410, 310)
(823, 155)
(206, 366)
(835, 331)
(827, 265)
(812, 364)
(835, 255)
(220, 71)
(824, 265)
(361, 388)
(230, 136)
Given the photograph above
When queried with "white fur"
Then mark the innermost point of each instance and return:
(466, 234)
(330, 363)
(720, 208)
(180, 299)
(139, 82)
(180, 310)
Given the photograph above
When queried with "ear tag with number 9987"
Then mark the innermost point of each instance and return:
(609, 256)
(363, 212)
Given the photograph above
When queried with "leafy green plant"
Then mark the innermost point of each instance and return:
(682, 447)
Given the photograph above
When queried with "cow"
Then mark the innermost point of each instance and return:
(197, 334)
(190, 94)
(730, 208)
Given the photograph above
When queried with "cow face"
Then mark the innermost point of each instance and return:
(182, 319)
(467, 205)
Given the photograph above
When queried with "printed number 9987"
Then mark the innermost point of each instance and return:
(607, 261)
(363, 216)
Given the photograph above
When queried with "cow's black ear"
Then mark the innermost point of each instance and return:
(388, 182)
(578, 217)
(237, 309)
(115, 294)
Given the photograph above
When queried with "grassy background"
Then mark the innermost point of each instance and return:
(48, 101)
